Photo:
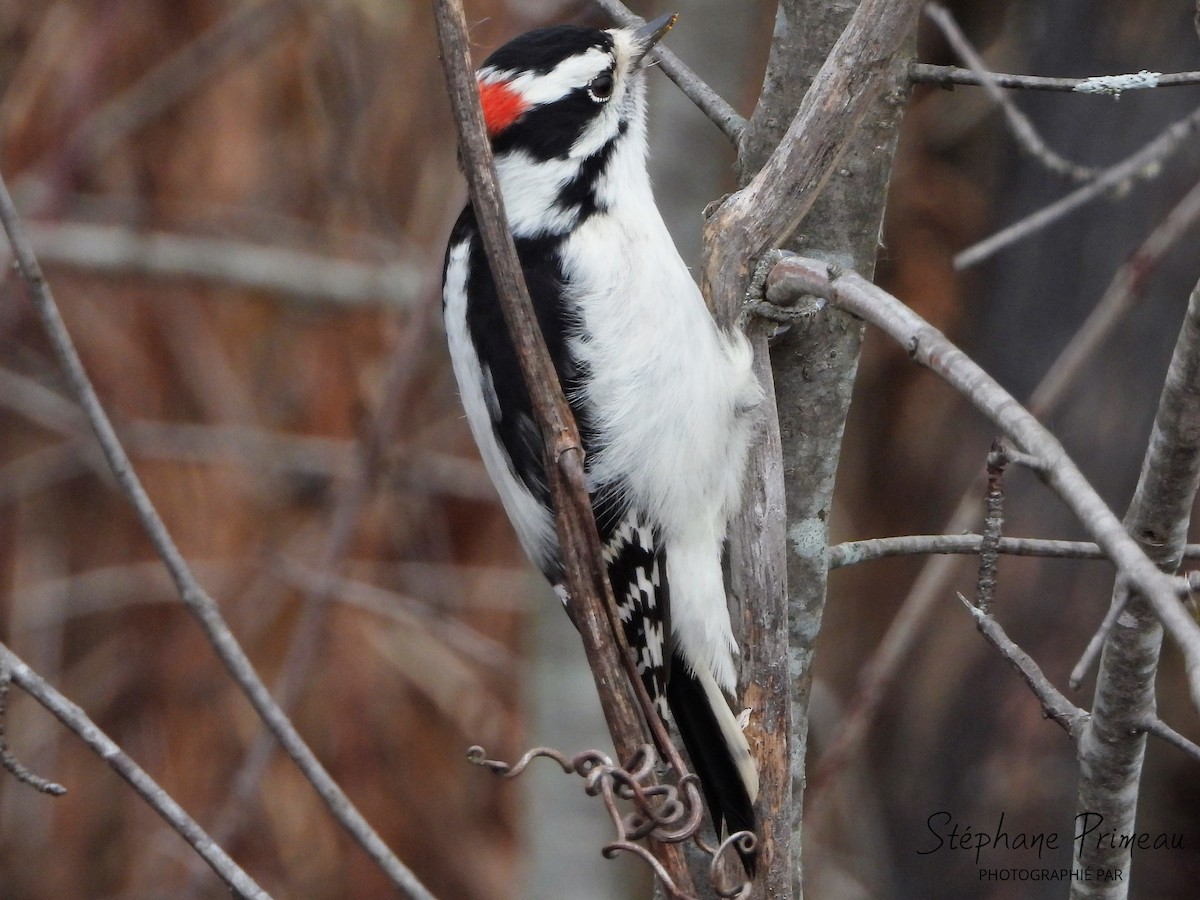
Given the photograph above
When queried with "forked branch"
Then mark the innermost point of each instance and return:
(796, 277)
(159, 800)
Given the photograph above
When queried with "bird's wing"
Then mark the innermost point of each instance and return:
(637, 572)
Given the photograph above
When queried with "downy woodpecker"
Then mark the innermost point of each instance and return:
(664, 398)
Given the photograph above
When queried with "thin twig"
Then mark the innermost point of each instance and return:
(1096, 642)
(414, 614)
(39, 404)
(1054, 702)
(1018, 122)
(1141, 164)
(1025, 460)
(852, 553)
(993, 522)
(7, 758)
(40, 470)
(708, 101)
(159, 800)
(1096, 85)
(1160, 729)
(1126, 288)
(194, 597)
(564, 448)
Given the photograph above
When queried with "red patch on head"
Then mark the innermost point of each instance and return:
(502, 105)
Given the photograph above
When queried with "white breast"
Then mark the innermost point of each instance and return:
(668, 389)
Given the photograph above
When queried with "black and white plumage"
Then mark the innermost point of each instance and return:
(662, 396)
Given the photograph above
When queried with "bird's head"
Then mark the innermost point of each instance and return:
(568, 91)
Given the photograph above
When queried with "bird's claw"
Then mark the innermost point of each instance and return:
(756, 305)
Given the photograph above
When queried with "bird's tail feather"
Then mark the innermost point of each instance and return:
(718, 749)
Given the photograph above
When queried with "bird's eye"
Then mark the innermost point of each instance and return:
(601, 87)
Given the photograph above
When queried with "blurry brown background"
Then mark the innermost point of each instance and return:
(291, 430)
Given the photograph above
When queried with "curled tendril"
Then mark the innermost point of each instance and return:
(611, 850)
(477, 756)
(674, 818)
(666, 813)
(744, 842)
(589, 761)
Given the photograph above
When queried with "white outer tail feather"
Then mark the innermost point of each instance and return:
(735, 740)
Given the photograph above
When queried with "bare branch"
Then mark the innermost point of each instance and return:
(158, 799)
(1128, 286)
(305, 278)
(930, 348)
(1022, 129)
(194, 597)
(1096, 643)
(1054, 703)
(1141, 164)
(1126, 289)
(852, 553)
(693, 86)
(627, 708)
(564, 448)
(416, 615)
(1112, 749)
(1095, 86)
(818, 148)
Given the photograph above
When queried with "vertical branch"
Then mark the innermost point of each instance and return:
(993, 522)
(592, 607)
(1113, 745)
(563, 447)
(758, 578)
(836, 78)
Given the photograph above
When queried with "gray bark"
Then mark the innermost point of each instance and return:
(815, 365)
(1113, 745)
